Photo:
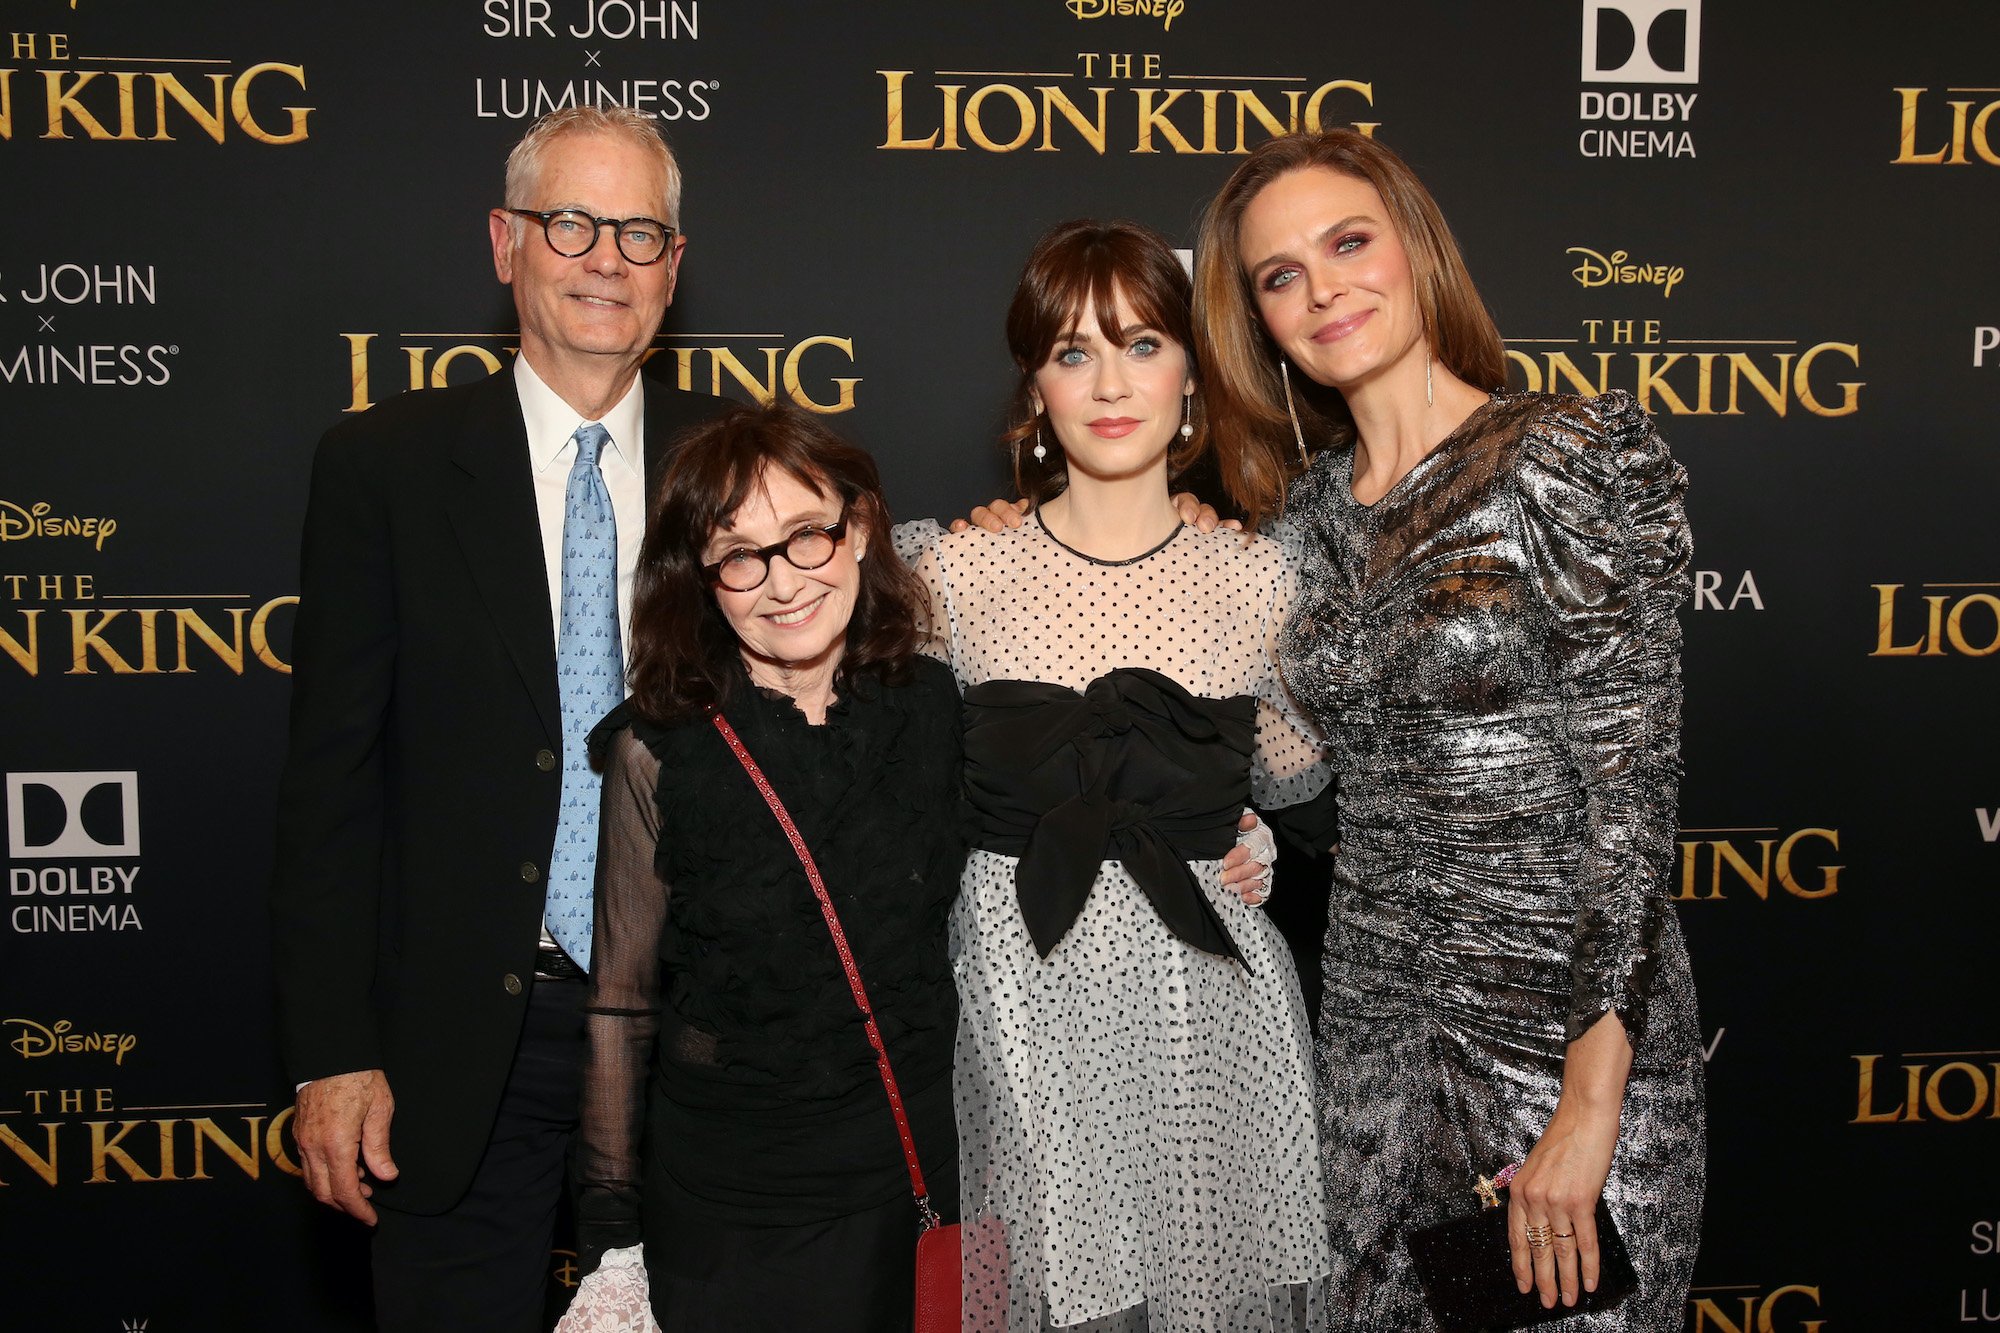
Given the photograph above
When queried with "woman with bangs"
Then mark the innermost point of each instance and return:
(1133, 1076)
(738, 1155)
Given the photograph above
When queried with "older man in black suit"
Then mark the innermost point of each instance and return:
(467, 575)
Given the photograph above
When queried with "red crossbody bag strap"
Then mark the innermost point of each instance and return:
(917, 1187)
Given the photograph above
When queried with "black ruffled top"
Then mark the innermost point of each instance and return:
(721, 1023)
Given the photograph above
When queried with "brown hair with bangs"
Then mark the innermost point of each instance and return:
(1076, 267)
(685, 657)
(1255, 449)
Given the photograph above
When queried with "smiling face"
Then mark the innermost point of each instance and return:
(796, 621)
(1330, 277)
(579, 314)
(1115, 406)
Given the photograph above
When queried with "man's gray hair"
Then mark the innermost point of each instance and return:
(524, 164)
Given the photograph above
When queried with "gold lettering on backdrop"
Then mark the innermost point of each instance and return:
(260, 635)
(43, 1162)
(441, 368)
(1969, 628)
(207, 118)
(1011, 111)
(843, 385)
(894, 102)
(127, 641)
(25, 45)
(1711, 377)
(1967, 130)
(1793, 861)
(61, 1038)
(63, 102)
(1095, 131)
(1600, 270)
(1958, 1087)
(105, 105)
(1756, 1313)
(208, 1133)
(86, 639)
(140, 1150)
(239, 105)
(802, 370)
(357, 369)
(20, 522)
(106, 1149)
(1164, 10)
(1151, 118)
(1954, 624)
(975, 127)
(24, 648)
(1972, 1079)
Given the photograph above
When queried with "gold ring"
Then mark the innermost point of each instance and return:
(1565, 1235)
(1538, 1237)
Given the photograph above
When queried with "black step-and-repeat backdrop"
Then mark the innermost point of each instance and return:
(227, 225)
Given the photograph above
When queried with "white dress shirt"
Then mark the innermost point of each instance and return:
(552, 426)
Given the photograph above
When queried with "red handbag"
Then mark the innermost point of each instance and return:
(938, 1292)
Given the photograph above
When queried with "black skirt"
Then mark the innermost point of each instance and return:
(852, 1274)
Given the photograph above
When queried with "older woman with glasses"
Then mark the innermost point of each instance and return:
(734, 1120)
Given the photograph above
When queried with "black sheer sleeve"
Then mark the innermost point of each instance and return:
(1312, 825)
(623, 1009)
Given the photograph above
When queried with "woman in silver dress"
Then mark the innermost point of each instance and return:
(1485, 629)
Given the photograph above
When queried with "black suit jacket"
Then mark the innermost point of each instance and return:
(417, 808)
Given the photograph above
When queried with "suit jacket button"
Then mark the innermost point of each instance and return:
(530, 872)
(511, 984)
(545, 760)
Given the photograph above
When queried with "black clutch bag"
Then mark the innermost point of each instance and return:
(1467, 1273)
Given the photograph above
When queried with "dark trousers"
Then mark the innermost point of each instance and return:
(483, 1266)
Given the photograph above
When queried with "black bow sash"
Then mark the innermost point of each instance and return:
(1135, 769)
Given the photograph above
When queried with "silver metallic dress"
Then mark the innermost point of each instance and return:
(1492, 651)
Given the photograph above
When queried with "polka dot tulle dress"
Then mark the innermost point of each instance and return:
(1133, 1067)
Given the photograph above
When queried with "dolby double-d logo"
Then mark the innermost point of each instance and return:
(52, 815)
(1641, 41)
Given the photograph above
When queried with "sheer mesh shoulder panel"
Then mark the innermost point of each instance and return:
(913, 538)
(922, 556)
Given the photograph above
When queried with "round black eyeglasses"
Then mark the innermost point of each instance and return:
(572, 233)
(745, 568)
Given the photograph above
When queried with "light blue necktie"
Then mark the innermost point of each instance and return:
(590, 680)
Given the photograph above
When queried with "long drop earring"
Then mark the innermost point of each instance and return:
(1187, 416)
(1041, 450)
(1291, 409)
(1429, 400)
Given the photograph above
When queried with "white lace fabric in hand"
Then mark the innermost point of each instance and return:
(1263, 845)
(613, 1299)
